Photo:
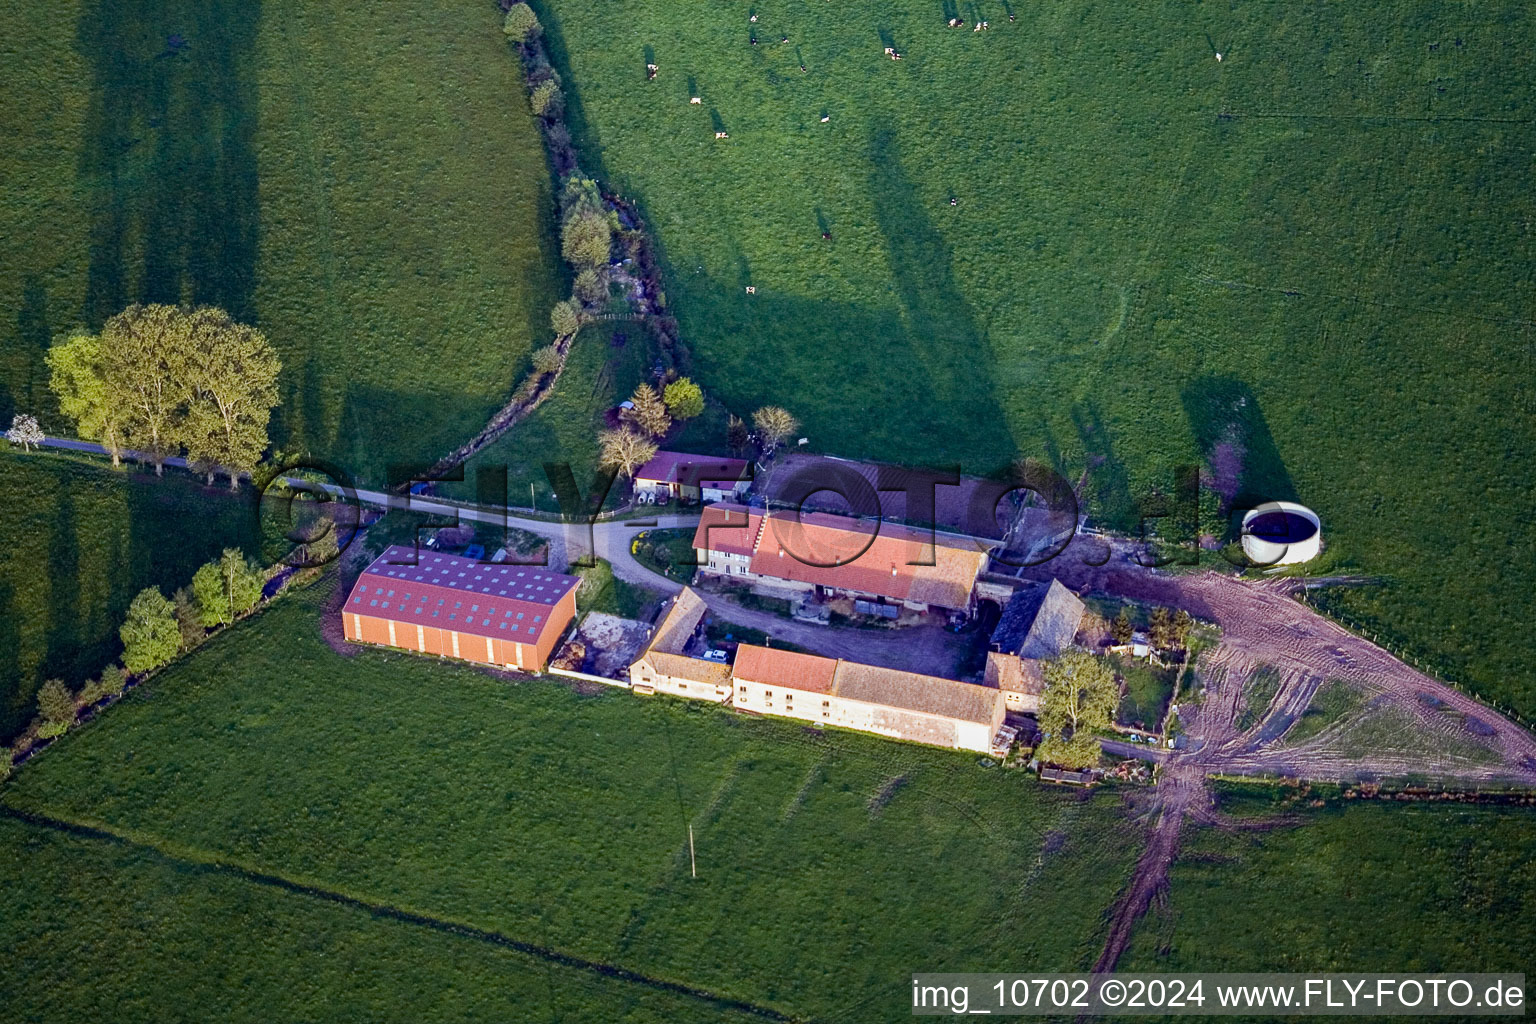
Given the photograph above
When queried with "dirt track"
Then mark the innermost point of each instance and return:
(1460, 741)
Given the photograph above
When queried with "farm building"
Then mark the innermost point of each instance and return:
(1036, 626)
(827, 555)
(678, 475)
(666, 667)
(510, 616)
(885, 701)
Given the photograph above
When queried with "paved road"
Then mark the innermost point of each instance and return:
(567, 541)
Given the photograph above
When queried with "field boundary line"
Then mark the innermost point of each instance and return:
(444, 926)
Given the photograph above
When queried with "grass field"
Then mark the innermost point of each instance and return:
(1334, 701)
(77, 542)
(1362, 887)
(828, 863)
(97, 930)
(607, 360)
(1324, 238)
(370, 191)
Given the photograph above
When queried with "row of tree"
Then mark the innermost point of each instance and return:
(165, 380)
(1167, 630)
(651, 415)
(155, 630)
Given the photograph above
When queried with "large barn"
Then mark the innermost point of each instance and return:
(510, 616)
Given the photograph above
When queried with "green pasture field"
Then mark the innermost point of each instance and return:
(77, 542)
(97, 930)
(828, 864)
(370, 191)
(1323, 238)
(1357, 887)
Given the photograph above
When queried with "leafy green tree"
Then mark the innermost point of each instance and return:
(1121, 628)
(565, 318)
(77, 377)
(650, 412)
(56, 704)
(1183, 622)
(7, 763)
(521, 24)
(547, 100)
(226, 589)
(232, 386)
(588, 287)
(150, 635)
(684, 399)
(145, 355)
(189, 618)
(1080, 696)
(1160, 629)
(546, 359)
(108, 684)
(586, 238)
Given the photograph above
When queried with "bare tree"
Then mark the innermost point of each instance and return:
(774, 423)
(625, 450)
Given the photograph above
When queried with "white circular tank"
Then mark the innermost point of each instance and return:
(1282, 533)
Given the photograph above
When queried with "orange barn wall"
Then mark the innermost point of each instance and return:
(440, 641)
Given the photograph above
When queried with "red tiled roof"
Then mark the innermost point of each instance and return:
(727, 528)
(509, 602)
(788, 669)
(690, 470)
(846, 553)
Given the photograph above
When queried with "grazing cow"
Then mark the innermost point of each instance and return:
(695, 101)
(650, 72)
(751, 290)
(722, 135)
(825, 118)
(753, 19)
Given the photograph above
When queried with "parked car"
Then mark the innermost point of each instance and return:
(715, 654)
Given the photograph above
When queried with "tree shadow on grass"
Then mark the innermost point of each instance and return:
(64, 654)
(1241, 458)
(583, 132)
(15, 695)
(169, 156)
